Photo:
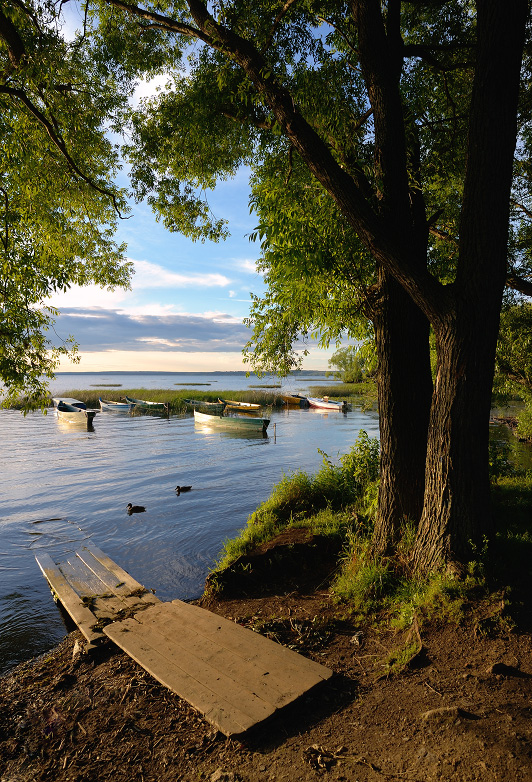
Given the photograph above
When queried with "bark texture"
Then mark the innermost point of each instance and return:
(405, 388)
(457, 502)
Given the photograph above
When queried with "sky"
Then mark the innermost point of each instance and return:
(187, 301)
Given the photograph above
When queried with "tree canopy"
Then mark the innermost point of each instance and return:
(58, 202)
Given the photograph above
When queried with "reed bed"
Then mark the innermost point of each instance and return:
(174, 399)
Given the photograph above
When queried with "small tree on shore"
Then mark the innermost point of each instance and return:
(351, 364)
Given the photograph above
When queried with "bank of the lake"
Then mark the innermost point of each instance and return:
(455, 707)
(460, 713)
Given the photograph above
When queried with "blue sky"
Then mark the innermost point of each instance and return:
(185, 309)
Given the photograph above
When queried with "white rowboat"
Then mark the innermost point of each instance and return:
(72, 414)
(117, 407)
(326, 404)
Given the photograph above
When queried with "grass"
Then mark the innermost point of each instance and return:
(340, 500)
(358, 393)
(326, 502)
(174, 398)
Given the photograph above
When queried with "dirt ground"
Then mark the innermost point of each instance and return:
(461, 711)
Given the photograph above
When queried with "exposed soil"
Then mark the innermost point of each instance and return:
(461, 710)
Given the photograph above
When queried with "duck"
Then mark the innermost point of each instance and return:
(179, 489)
(135, 508)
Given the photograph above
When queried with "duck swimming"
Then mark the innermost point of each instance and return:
(135, 508)
(179, 489)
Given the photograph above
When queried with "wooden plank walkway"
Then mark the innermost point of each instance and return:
(235, 677)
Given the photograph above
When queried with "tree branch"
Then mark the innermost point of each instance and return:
(164, 22)
(5, 239)
(519, 284)
(59, 142)
(388, 246)
(276, 23)
(12, 39)
(522, 207)
(425, 52)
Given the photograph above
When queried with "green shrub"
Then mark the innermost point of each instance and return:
(363, 579)
(318, 502)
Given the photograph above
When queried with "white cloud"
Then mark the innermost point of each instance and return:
(147, 276)
(247, 265)
(152, 275)
(89, 296)
(105, 329)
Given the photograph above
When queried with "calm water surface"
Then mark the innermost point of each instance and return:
(63, 487)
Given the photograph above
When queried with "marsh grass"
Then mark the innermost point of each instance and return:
(174, 398)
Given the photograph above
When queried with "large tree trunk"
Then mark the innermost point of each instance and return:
(456, 514)
(457, 504)
(405, 389)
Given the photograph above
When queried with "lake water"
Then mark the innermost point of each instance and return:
(63, 487)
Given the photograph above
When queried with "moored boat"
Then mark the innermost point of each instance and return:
(68, 400)
(118, 407)
(327, 404)
(231, 404)
(295, 399)
(144, 404)
(73, 414)
(232, 421)
(212, 407)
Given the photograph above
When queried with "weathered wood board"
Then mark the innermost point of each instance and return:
(94, 590)
(235, 677)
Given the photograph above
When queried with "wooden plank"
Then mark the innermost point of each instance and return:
(182, 658)
(258, 676)
(225, 716)
(112, 583)
(81, 578)
(94, 593)
(246, 679)
(122, 575)
(246, 643)
(71, 601)
(235, 677)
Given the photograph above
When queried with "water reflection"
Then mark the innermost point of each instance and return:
(234, 434)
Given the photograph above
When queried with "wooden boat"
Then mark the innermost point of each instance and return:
(69, 401)
(230, 404)
(143, 403)
(326, 404)
(295, 399)
(232, 421)
(73, 414)
(212, 407)
(118, 407)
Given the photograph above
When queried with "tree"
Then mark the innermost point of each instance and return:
(260, 62)
(57, 208)
(354, 363)
(321, 280)
(514, 349)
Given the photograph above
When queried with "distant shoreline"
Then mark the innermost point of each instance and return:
(298, 373)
